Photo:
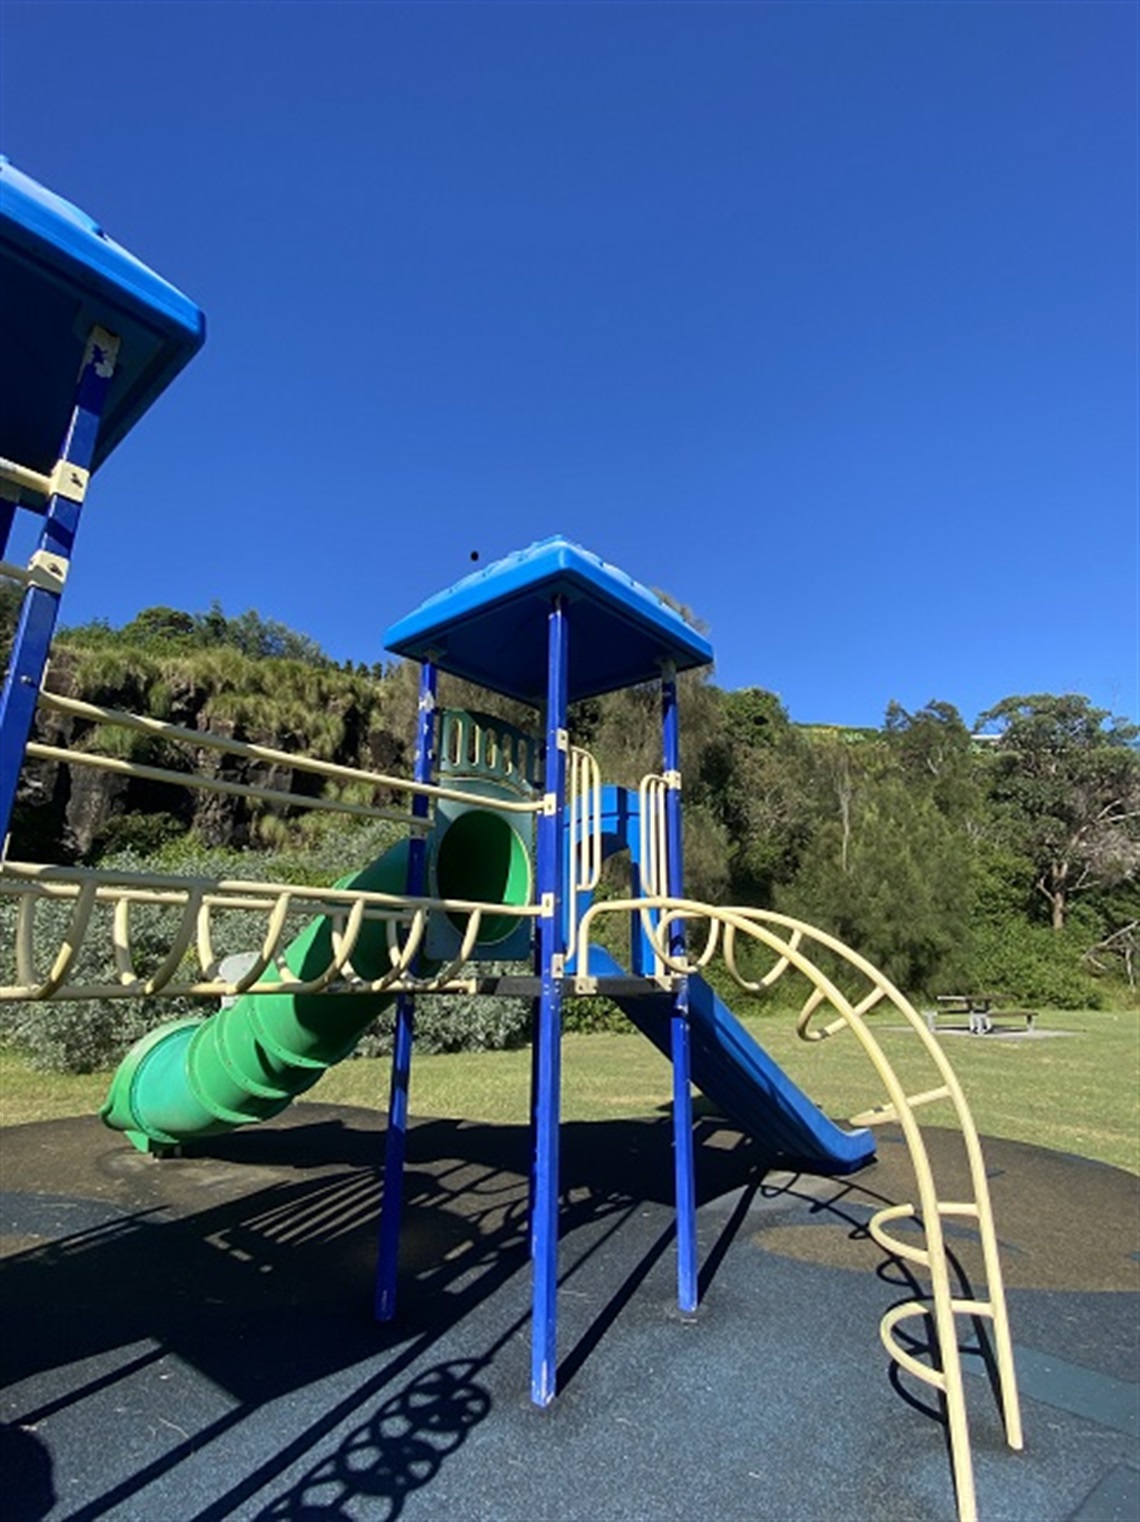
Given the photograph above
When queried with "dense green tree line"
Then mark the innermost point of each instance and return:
(997, 856)
(1002, 855)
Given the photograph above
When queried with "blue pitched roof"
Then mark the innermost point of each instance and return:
(59, 275)
(491, 627)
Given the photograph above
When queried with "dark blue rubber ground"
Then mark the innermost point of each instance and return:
(191, 1339)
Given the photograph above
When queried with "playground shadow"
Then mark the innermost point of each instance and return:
(194, 1337)
(200, 1281)
(26, 1465)
(266, 1290)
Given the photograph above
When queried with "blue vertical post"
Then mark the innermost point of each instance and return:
(683, 1166)
(548, 1032)
(396, 1142)
(40, 607)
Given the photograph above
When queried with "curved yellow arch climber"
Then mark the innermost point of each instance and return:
(790, 941)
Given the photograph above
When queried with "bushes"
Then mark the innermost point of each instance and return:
(585, 1017)
(1032, 964)
(457, 1023)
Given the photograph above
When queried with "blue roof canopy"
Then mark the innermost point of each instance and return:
(59, 276)
(491, 627)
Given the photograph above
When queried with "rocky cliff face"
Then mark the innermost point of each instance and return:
(70, 812)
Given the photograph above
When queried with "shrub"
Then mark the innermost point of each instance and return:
(457, 1023)
(587, 1016)
(1033, 964)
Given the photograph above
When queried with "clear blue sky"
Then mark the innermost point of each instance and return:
(821, 317)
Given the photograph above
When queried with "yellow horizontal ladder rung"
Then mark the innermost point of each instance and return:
(879, 1114)
(13, 474)
(973, 1308)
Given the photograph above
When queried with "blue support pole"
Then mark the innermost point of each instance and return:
(548, 1033)
(396, 1143)
(683, 1163)
(535, 1050)
(36, 624)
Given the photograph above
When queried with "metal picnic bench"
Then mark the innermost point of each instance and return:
(981, 1010)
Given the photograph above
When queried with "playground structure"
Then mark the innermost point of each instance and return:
(506, 835)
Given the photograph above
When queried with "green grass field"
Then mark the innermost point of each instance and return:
(1073, 1090)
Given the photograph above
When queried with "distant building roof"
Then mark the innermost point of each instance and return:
(491, 627)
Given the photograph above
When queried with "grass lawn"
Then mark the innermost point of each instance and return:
(1074, 1092)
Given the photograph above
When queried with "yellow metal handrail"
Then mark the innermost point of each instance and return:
(204, 739)
(194, 781)
(584, 816)
(24, 479)
(651, 795)
(653, 867)
(786, 938)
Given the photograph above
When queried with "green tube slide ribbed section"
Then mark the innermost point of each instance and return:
(195, 1077)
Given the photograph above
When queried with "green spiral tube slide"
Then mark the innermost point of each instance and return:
(199, 1077)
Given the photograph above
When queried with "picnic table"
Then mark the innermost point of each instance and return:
(981, 1011)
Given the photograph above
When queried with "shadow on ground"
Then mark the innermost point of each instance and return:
(251, 1257)
(219, 1304)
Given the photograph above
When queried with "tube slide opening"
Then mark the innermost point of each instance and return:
(481, 857)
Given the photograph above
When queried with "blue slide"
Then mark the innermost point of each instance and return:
(737, 1074)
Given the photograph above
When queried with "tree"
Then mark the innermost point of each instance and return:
(885, 870)
(755, 776)
(1066, 783)
(934, 749)
(267, 638)
(161, 627)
